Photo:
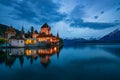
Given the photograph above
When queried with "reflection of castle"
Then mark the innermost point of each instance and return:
(31, 54)
(43, 53)
(33, 38)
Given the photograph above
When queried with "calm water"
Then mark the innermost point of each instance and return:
(84, 62)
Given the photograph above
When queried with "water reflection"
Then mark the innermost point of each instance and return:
(84, 62)
(10, 55)
(113, 49)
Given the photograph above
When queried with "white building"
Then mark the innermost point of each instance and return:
(16, 41)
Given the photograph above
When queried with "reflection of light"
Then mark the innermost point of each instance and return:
(51, 50)
(35, 56)
(45, 59)
(30, 52)
(48, 51)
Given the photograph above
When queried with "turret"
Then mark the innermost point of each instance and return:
(22, 32)
(57, 34)
(45, 29)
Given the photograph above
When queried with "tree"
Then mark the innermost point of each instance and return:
(2, 41)
(28, 35)
(32, 29)
(22, 31)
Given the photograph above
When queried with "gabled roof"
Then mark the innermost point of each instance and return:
(17, 37)
(12, 37)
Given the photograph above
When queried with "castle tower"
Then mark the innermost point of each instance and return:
(45, 29)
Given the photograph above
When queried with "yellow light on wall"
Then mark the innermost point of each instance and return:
(30, 41)
(50, 40)
(55, 48)
(34, 41)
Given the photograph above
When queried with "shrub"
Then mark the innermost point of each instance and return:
(2, 41)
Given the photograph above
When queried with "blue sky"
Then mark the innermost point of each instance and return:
(72, 19)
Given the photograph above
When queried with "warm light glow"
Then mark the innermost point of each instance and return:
(50, 40)
(30, 41)
(30, 52)
(45, 30)
(48, 51)
(55, 48)
(35, 35)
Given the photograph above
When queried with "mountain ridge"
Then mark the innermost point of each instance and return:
(112, 36)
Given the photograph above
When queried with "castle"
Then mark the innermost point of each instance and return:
(42, 38)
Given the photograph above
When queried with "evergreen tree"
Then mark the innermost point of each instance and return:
(28, 34)
(22, 31)
(32, 29)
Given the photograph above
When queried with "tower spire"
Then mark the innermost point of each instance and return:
(57, 34)
(22, 32)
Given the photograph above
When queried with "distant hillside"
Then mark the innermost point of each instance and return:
(4, 27)
(112, 36)
(74, 41)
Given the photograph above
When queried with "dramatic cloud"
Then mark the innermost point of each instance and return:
(102, 12)
(36, 11)
(64, 16)
(118, 9)
(88, 14)
(94, 25)
(96, 17)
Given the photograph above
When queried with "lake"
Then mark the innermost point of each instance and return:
(81, 62)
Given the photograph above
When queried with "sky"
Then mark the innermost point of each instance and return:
(70, 18)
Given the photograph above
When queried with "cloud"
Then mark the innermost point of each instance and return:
(78, 13)
(117, 21)
(118, 9)
(93, 25)
(96, 17)
(102, 12)
(82, 14)
(92, 16)
(39, 12)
